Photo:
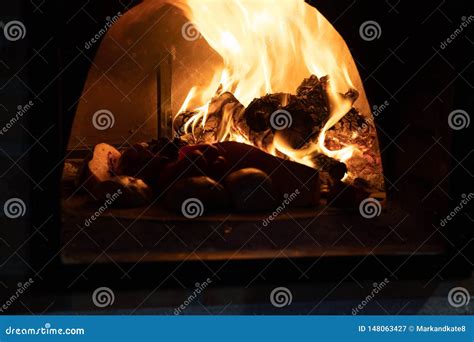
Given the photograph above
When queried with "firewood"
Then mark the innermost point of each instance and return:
(257, 114)
(308, 111)
(324, 163)
(180, 120)
(223, 107)
(313, 92)
(303, 128)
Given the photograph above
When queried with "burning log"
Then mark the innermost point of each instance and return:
(303, 128)
(180, 120)
(257, 114)
(308, 110)
(333, 167)
(295, 119)
(313, 92)
(224, 109)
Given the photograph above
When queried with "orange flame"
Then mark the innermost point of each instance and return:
(269, 46)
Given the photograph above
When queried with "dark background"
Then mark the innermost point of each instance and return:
(405, 66)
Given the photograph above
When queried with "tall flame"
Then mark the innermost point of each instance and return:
(269, 46)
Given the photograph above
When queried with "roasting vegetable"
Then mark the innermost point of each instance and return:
(251, 190)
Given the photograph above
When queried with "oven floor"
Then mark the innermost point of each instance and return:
(153, 234)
